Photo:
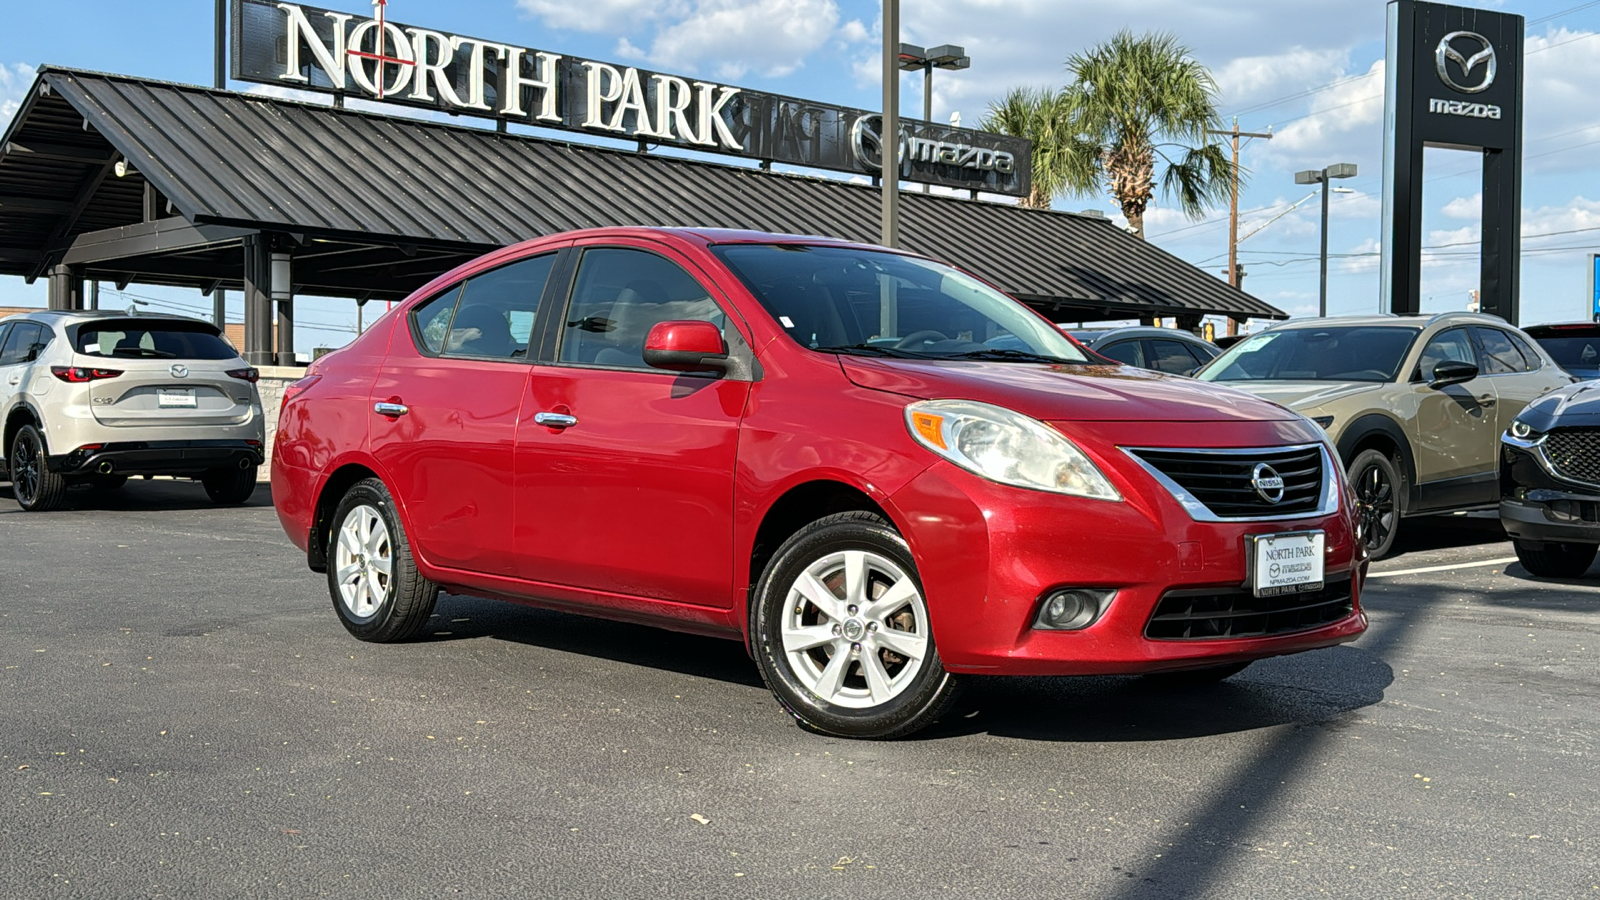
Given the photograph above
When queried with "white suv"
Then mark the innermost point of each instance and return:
(91, 397)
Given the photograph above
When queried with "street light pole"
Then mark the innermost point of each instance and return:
(1322, 177)
(890, 236)
(946, 56)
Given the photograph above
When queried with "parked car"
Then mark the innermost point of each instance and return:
(707, 431)
(1161, 349)
(1415, 406)
(1575, 347)
(1550, 482)
(90, 397)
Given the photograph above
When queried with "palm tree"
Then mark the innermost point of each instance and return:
(1039, 115)
(1134, 100)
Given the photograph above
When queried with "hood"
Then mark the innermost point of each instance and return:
(1055, 393)
(1574, 406)
(1300, 395)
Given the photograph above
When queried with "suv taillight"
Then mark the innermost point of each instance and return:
(80, 374)
(250, 375)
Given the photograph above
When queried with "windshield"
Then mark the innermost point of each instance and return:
(848, 300)
(1573, 352)
(1331, 353)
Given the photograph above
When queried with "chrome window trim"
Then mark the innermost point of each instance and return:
(1201, 513)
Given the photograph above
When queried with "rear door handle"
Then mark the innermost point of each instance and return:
(1487, 400)
(554, 420)
(392, 410)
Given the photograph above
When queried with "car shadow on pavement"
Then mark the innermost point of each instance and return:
(1558, 595)
(138, 495)
(1447, 532)
(1307, 688)
(459, 617)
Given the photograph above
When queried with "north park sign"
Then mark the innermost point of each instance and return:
(304, 47)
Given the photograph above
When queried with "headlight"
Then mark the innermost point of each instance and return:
(1007, 447)
(1522, 431)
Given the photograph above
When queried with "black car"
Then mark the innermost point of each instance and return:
(1550, 481)
(1575, 347)
(1162, 349)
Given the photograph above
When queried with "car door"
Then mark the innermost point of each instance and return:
(445, 408)
(1454, 429)
(1519, 373)
(626, 472)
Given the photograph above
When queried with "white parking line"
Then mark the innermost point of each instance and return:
(1469, 565)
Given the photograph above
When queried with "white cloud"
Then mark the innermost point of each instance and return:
(14, 83)
(771, 37)
(1465, 207)
(854, 32)
(602, 15)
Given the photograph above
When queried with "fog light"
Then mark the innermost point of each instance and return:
(1073, 609)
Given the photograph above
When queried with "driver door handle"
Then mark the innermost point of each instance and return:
(1487, 400)
(392, 410)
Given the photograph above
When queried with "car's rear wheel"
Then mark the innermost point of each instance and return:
(229, 487)
(1193, 677)
(36, 488)
(372, 577)
(841, 633)
(1555, 559)
(1376, 482)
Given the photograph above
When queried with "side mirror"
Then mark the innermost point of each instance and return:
(1451, 372)
(686, 346)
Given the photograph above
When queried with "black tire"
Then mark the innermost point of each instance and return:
(1376, 482)
(914, 704)
(107, 482)
(1553, 559)
(407, 598)
(1194, 677)
(36, 488)
(229, 487)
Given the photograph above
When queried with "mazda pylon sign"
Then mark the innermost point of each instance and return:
(304, 47)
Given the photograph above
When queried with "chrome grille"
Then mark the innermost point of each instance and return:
(1237, 613)
(1220, 480)
(1574, 453)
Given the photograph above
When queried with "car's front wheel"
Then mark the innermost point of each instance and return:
(36, 488)
(1376, 483)
(376, 589)
(841, 633)
(1555, 559)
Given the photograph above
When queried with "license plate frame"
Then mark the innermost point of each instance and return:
(176, 398)
(1263, 581)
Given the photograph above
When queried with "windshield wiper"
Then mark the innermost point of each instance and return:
(876, 350)
(1015, 355)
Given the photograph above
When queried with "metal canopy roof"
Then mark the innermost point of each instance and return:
(381, 204)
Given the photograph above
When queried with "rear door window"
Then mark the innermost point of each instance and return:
(1171, 356)
(21, 341)
(138, 339)
(494, 318)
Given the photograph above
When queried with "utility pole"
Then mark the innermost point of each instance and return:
(1234, 275)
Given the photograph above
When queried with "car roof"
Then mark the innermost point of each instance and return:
(1388, 321)
(1096, 335)
(68, 316)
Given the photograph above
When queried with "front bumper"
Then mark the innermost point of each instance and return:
(1537, 505)
(159, 458)
(988, 554)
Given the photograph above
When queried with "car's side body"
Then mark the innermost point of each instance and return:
(1158, 349)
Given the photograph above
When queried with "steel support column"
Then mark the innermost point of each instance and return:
(258, 300)
(66, 288)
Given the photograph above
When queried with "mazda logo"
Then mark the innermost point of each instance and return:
(179, 370)
(1482, 53)
(1267, 482)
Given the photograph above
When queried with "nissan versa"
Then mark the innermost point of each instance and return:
(876, 470)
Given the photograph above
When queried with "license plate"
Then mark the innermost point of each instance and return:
(175, 398)
(1288, 563)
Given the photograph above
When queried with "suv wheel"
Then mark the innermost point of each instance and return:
(37, 489)
(1555, 559)
(841, 634)
(1377, 487)
(374, 582)
(229, 487)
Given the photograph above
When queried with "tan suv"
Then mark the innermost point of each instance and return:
(1416, 406)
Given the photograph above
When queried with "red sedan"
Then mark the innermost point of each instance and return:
(875, 469)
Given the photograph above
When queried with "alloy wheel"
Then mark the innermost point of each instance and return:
(364, 562)
(1375, 503)
(25, 469)
(855, 629)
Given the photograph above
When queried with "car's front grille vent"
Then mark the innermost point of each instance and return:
(1237, 613)
(1574, 453)
(1222, 481)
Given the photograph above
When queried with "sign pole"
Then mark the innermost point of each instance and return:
(891, 123)
(221, 75)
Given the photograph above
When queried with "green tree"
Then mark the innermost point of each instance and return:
(1136, 103)
(1039, 115)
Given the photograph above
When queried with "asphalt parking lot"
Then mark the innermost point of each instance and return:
(184, 717)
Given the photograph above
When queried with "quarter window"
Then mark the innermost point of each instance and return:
(1500, 356)
(433, 319)
(1535, 361)
(619, 296)
(1453, 345)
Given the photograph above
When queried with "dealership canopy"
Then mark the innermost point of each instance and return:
(127, 180)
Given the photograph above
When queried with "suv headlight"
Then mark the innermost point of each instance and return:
(1007, 447)
(1522, 431)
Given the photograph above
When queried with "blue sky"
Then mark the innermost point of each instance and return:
(1309, 69)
